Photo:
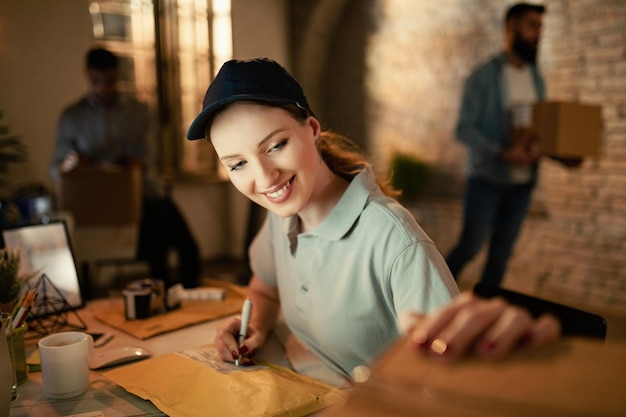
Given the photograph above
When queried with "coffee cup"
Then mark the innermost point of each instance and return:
(65, 364)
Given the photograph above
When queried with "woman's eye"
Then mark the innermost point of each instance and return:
(237, 166)
(278, 146)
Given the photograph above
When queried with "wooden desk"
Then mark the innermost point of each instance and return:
(573, 378)
(106, 397)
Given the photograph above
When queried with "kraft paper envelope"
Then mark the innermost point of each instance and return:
(572, 378)
(181, 386)
(191, 312)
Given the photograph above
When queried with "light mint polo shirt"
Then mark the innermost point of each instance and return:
(343, 284)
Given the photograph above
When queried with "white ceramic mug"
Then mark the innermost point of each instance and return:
(65, 364)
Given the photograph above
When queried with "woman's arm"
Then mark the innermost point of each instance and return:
(265, 309)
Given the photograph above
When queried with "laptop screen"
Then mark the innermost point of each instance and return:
(46, 249)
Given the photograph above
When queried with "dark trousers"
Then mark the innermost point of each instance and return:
(163, 228)
(494, 210)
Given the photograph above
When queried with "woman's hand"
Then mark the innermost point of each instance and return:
(489, 328)
(265, 308)
(226, 341)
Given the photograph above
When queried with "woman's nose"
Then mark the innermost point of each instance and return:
(266, 174)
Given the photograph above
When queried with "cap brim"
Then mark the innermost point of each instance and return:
(198, 126)
(197, 130)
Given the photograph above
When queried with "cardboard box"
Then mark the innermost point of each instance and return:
(101, 195)
(567, 129)
(571, 377)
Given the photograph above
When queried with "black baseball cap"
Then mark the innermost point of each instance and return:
(260, 79)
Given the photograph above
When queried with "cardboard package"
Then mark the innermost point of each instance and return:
(567, 129)
(572, 377)
(99, 196)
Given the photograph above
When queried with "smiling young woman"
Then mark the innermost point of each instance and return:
(345, 263)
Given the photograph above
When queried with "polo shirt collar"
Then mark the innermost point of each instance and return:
(347, 211)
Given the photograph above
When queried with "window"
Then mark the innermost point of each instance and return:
(170, 50)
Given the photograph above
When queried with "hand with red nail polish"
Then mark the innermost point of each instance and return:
(490, 329)
(264, 312)
(226, 340)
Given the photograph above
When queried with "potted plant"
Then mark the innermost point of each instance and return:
(12, 150)
(11, 282)
(409, 175)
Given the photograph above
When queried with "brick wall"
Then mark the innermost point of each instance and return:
(573, 245)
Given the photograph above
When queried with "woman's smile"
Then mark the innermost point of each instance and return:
(281, 193)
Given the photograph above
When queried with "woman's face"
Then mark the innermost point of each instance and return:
(270, 157)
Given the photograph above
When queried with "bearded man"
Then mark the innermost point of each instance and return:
(502, 157)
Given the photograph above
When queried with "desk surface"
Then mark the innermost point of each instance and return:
(105, 397)
(588, 376)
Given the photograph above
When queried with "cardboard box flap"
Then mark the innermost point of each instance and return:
(101, 195)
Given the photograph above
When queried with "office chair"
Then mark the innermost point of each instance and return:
(574, 322)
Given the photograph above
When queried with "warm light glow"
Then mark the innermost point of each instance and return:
(222, 32)
(221, 7)
(195, 55)
(201, 44)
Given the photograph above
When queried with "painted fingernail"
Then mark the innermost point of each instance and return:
(420, 337)
(243, 349)
(490, 346)
(234, 354)
(439, 346)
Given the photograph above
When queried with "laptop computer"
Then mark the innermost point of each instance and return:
(45, 250)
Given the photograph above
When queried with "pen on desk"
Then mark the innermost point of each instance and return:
(102, 340)
(243, 329)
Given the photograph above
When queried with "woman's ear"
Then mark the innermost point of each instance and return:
(315, 125)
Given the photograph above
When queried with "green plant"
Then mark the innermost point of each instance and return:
(10, 281)
(410, 175)
(12, 150)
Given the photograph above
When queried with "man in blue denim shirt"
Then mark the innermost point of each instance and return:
(502, 158)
